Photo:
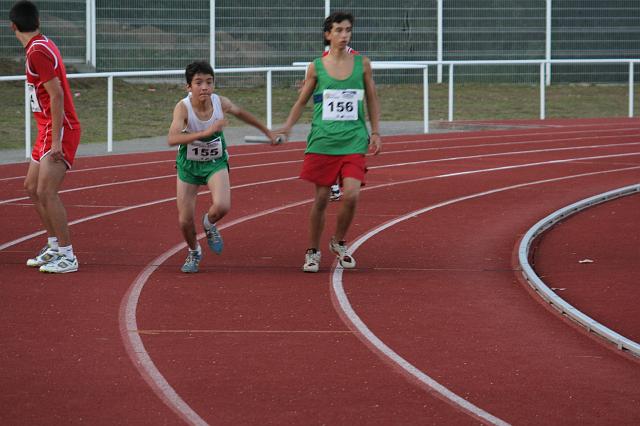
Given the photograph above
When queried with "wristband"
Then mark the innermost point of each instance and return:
(375, 133)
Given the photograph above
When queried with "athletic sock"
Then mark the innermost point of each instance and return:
(207, 224)
(198, 249)
(53, 242)
(67, 251)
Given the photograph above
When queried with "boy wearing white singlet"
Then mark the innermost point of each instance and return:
(202, 157)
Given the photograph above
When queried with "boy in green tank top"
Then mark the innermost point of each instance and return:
(338, 141)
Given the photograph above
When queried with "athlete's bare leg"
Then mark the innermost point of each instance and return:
(50, 176)
(317, 216)
(31, 186)
(186, 200)
(350, 195)
(220, 195)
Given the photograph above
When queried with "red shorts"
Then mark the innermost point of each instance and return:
(325, 170)
(70, 142)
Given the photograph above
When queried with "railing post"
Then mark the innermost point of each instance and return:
(547, 47)
(439, 55)
(27, 121)
(450, 92)
(212, 33)
(269, 96)
(542, 90)
(630, 89)
(425, 98)
(110, 113)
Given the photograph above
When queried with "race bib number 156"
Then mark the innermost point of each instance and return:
(340, 105)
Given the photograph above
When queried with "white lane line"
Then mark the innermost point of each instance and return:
(492, 169)
(468, 157)
(146, 163)
(129, 325)
(346, 311)
(502, 154)
(426, 139)
(230, 331)
(137, 206)
(126, 182)
(527, 142)
(133, 342)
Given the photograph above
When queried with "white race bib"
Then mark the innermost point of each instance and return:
(205, 151)
(33, 98)
(340, 105)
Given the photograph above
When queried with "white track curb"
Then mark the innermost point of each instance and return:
(549, 295)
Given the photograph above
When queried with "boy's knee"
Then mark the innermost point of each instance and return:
(350, 197)
(222, 209)
(185, 222)
(31, 189)
(321, 203)
(44, 194)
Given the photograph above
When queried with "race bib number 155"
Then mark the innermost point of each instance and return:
(205, 151)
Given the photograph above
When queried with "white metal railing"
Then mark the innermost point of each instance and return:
(301, 67)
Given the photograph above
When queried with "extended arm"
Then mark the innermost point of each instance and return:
(373, 106)
(230, 108)
(301, 102)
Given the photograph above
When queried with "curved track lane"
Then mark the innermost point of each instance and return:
(253, 340)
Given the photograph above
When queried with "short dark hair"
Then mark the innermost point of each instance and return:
(335, 17)
(25, 16)
(198, 67)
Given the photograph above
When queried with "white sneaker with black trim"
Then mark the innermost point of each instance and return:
(46, 255)
(340, 250)
(60, 265)
(311, 260)
(335, 193)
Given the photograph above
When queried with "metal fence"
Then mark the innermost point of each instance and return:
(423, 67)
(127, 35)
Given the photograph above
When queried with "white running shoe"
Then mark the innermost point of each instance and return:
(335, 193)
(46, 255)
(340, 250)
(60, 265)
(311, 260)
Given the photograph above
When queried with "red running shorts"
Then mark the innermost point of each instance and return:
(326, 170)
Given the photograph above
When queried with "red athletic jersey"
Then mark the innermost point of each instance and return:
(43, 63)
(349, 50)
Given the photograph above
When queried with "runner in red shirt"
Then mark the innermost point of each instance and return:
(58, 136)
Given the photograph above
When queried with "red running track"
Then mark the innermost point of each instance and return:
(434, 327)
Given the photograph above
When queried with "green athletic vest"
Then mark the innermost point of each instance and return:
(339, 101)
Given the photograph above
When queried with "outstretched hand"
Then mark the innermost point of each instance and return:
(56, 153)
(282, 133)
(218, 126)
(375, 143)
(275, 137)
